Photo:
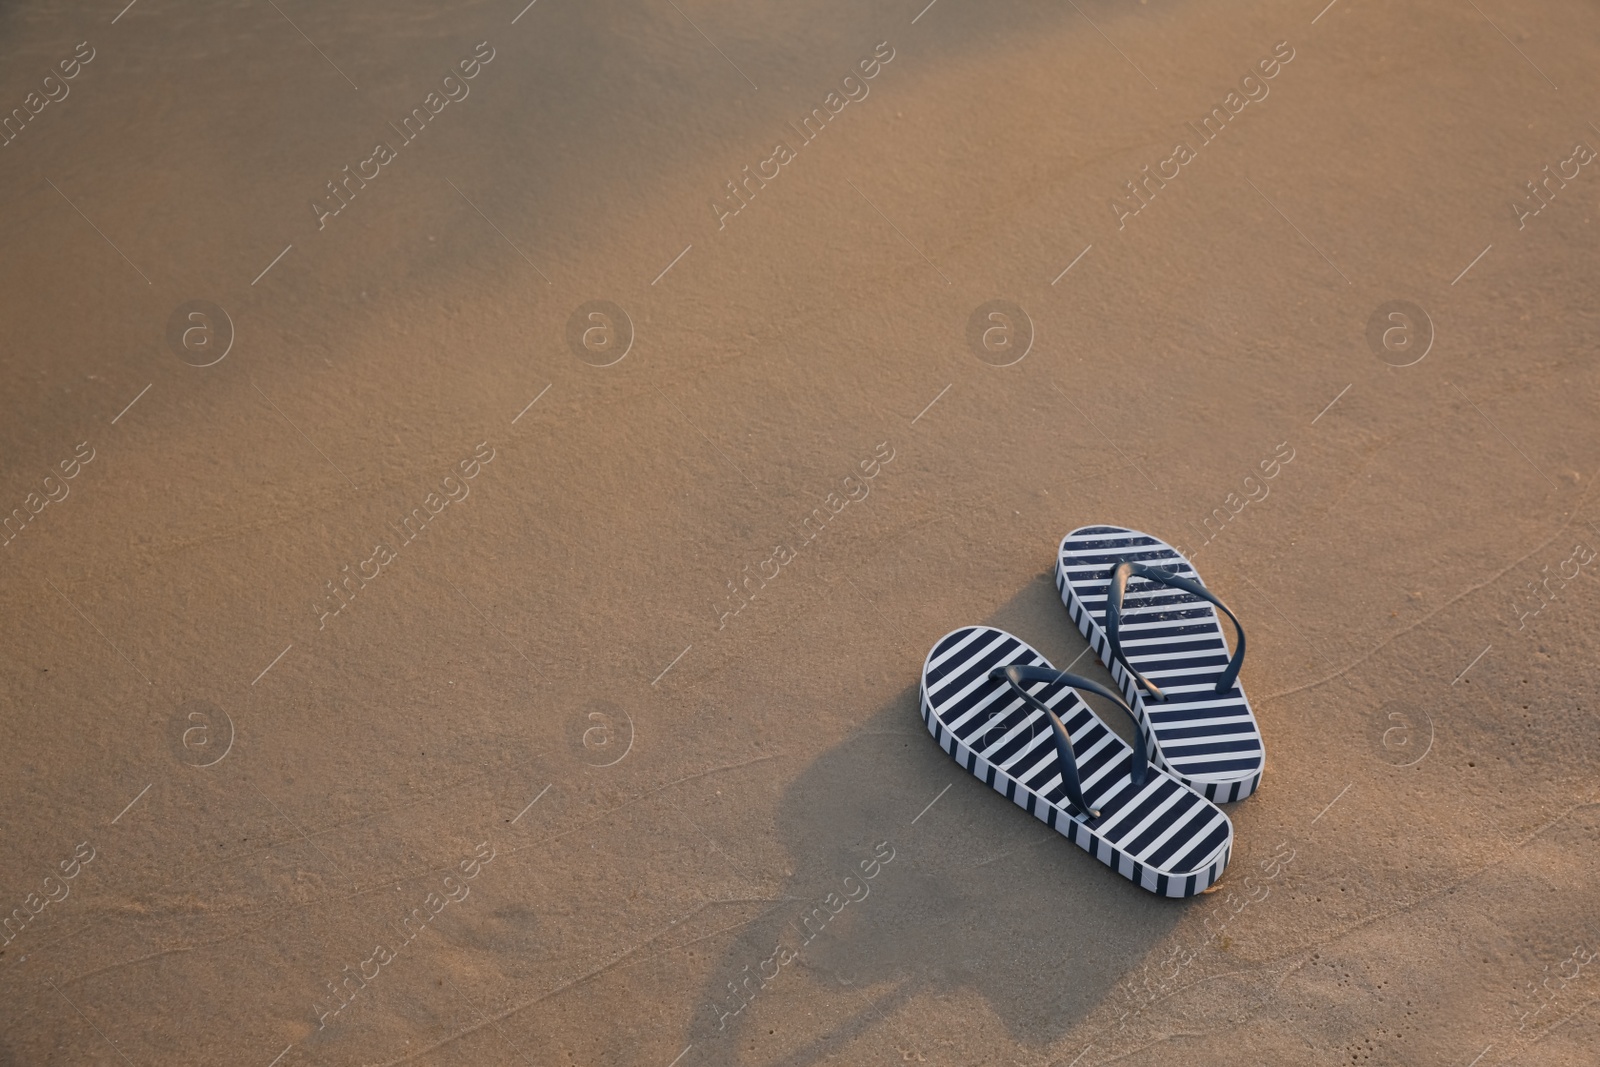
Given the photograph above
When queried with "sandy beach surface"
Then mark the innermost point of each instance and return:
(480, 481)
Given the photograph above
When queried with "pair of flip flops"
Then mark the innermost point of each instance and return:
(1147, 810)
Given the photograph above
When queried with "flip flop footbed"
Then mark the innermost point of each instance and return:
(1161, 835)
(1208, 740)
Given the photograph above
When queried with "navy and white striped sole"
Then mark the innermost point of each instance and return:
(1210, 741)
(1161, 835)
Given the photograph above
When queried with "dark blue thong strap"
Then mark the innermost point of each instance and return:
(1118, 585)
(1020, 676)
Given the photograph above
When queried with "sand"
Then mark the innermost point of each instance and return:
(444, 675)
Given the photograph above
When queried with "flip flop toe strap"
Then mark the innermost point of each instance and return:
(1118, 585)
(1019, 676)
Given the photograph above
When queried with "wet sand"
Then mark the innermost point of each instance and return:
(511, 633)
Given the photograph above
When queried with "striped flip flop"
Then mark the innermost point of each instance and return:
(1006, 715)
(1155, 625)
